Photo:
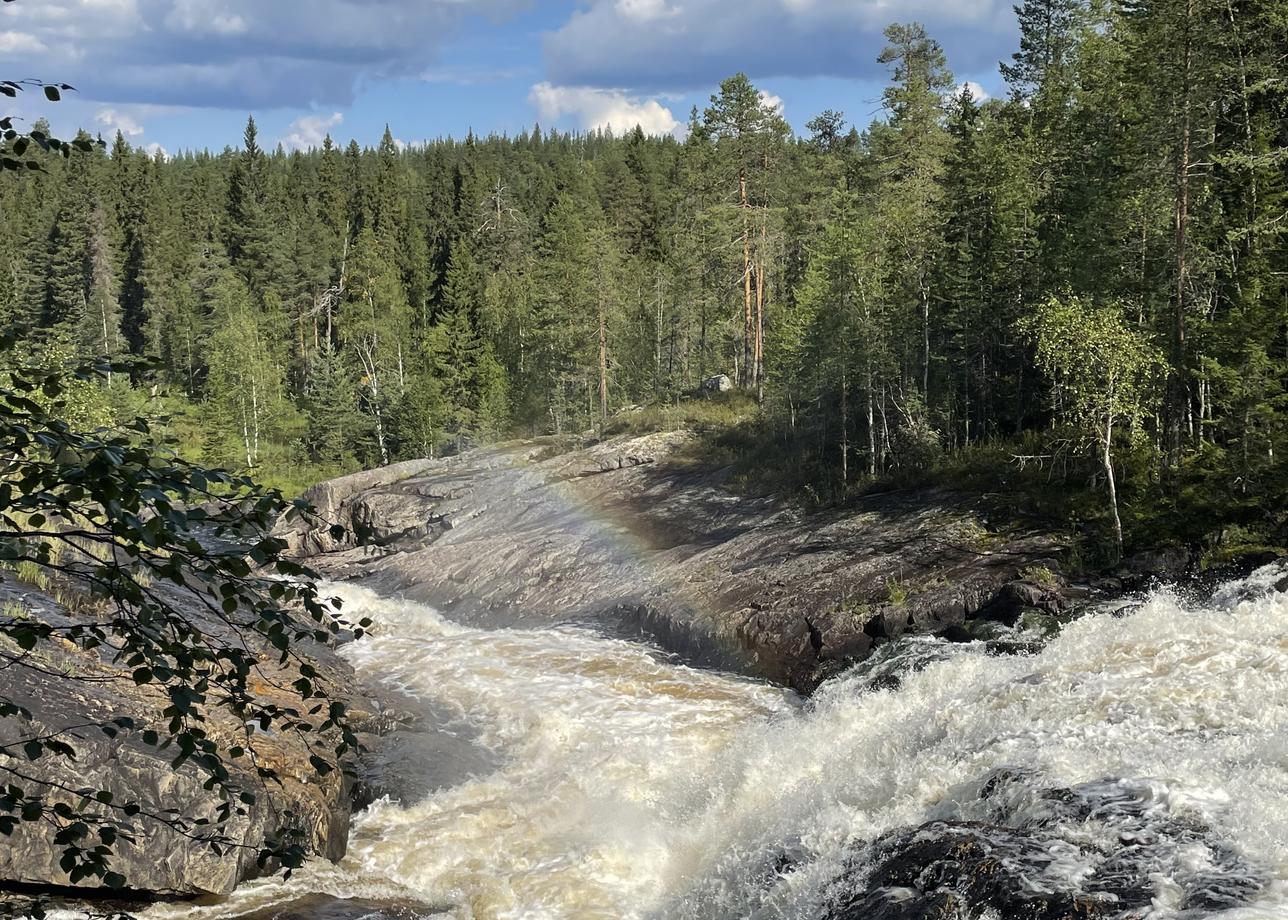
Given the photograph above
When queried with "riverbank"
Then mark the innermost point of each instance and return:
(69, 691)
(630, 533)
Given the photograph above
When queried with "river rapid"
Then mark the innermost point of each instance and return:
(618, 783)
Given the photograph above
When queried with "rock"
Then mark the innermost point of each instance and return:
(1165, 564)
(325, 907)
(1014, 598)
(1010, 859)
(627, 533)
(956, 871)
(1040, 623)
(161, 861)
(331, 499)
(721, 383)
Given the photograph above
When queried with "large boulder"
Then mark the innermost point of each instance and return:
(331, 502)
(1013, 859)
(713, 386)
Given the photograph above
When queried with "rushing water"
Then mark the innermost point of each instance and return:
(623, 785)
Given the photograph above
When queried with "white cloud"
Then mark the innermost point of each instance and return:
(236, 54)
(772, 101)
(20, 43)
(154, 148)
(977, 92)
(659, 45)
(602, 108)
(113, 121)
(646, 10)
(308, 132)
(205, 16)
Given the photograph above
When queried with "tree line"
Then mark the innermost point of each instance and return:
(891, 294)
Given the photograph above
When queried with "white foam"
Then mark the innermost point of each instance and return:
(633, 787)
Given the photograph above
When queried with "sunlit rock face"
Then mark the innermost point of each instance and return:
(634, 532)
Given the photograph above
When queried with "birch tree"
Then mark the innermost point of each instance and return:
(1103, 373)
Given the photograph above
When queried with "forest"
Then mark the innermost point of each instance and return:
(1078, 289)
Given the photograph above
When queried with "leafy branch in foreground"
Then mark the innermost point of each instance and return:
(15, 144)
(170, 584)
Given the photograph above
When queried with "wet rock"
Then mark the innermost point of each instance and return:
(324, 907)
(1017, 597)
(1023, 850)
(956, 871)
(1040, 623)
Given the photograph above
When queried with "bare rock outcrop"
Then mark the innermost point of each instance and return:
(629, 533)
(69, 691)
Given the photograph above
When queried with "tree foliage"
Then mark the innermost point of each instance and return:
(406, 302)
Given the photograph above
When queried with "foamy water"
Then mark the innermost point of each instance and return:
(632, 787)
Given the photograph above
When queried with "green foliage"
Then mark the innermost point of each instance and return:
(872, 290)
(176, 562)
(896, 592)
(715, 414)
(1039, 575)
(1105, 374)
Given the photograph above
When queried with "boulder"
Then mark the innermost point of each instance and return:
(1010, 860)
(1166, 563)
(1014, 598)
(721, 383)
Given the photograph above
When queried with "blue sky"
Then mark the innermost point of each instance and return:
(183, 74)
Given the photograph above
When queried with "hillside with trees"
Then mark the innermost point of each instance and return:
(933, 296)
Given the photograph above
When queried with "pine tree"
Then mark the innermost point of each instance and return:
(746, 130)
(912, 147)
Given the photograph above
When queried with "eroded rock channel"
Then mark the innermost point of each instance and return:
(625, 534)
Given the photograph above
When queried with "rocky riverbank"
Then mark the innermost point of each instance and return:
(64, 687)
(628, 533)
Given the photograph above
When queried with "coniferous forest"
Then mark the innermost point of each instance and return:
(1083, 284)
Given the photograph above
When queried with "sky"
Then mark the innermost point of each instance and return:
(184, 74)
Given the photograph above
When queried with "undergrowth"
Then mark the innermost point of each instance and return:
(1035, 478)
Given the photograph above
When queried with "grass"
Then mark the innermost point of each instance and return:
(32, 574)
(855, 609)
(294, 479)
(13, 610)
(715, 414)
(897, 592)
(1039, 575)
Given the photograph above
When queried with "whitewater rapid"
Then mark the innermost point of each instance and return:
(625, 785)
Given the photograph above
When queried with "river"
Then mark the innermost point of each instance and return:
(622, 784)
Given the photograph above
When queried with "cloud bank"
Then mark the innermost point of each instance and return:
(230, 53)
(661, 45)
(602, 108)
(308, 132)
